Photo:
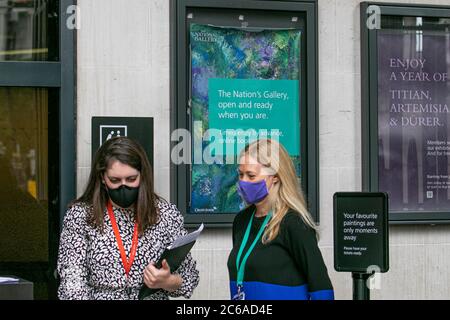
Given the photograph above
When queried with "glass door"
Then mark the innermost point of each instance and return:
(37, 137)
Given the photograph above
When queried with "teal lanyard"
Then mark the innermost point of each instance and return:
(241, 267)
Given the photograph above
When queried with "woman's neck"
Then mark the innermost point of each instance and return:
(129, 209)
(262, 208)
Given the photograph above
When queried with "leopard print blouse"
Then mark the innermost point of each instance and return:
(89, 263)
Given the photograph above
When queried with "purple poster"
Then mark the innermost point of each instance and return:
(414, 119)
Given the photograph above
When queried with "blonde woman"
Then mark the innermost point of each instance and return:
(275, 255)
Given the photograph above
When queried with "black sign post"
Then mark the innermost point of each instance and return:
(361, 241)
(360, 289)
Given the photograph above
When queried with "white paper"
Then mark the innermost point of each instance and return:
(181, 241)
(6, 279)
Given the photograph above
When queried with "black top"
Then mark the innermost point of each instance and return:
(292, 261)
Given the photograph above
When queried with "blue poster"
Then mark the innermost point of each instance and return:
(247, 80)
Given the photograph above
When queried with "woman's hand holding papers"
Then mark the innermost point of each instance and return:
(156, 278)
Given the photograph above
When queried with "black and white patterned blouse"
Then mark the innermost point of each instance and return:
(89, 262)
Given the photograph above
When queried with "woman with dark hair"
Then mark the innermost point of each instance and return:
(115, 232)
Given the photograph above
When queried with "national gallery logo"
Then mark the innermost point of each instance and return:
(206, 37)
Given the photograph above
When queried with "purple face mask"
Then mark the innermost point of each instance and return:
(253, 192)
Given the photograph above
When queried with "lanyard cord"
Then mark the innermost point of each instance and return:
(241, 267)
(127, 263)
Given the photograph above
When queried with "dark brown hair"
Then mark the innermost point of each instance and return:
(129, 152)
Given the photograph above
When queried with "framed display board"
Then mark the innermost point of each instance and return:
(242, 71)
(406, 109)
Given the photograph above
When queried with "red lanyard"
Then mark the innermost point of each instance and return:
(126, 263)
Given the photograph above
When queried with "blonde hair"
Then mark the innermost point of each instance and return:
(287, 193)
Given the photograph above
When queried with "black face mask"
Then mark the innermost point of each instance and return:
(123, 196)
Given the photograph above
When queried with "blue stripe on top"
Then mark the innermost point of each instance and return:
(266, 291)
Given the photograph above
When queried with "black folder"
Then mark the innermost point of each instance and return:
(175, 258)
